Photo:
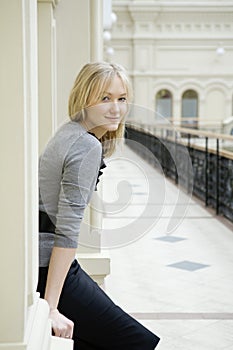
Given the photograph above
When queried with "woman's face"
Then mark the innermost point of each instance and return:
(106, 115)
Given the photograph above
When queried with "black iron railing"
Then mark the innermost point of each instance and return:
(208, 172)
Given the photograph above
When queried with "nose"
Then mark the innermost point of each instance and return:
(115, 109)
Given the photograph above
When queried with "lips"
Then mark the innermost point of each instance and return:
(113, 118)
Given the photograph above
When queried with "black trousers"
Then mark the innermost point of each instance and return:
(99, 324)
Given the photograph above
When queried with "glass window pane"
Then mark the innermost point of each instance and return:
(163, 104)
(189, 108)
(164, 107)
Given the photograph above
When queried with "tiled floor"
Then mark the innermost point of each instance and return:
(171, 259)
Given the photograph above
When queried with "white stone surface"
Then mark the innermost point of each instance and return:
(141, 281)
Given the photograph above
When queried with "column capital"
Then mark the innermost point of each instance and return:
(54, 3)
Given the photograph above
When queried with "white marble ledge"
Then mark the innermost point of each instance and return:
(58, 343)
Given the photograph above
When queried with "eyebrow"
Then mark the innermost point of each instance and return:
(109, 93)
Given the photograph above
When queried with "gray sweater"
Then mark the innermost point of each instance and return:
(68, 171)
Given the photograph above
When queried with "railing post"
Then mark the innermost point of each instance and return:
(176, 172)
(164, 155)
(206, 171)
(217, 176)
(188, 167)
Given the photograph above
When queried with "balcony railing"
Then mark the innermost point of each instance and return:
(208, 173)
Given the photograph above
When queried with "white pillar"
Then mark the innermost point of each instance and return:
(18, 144)
(96, 27)
(177, 110)
(24, 317)
(73, 48)
(47, 71)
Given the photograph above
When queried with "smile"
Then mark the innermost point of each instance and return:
(113, 118)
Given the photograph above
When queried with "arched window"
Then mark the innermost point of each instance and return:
(163, 104)
(189, 108)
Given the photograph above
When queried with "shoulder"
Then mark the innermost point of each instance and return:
(82, 142)
(71, 138)
(71, 148)
(79, 148)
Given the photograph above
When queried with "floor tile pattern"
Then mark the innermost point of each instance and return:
(188, 265)
(179, 285)
(170, 239)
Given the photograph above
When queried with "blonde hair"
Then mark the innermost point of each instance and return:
(91, 82)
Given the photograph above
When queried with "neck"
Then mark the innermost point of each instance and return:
(97, 131)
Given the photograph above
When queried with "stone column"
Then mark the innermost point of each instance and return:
(96, 30)
(47, 71)
(21, 310)
(177, 110)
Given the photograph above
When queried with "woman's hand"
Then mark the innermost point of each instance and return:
(60, 262)
(61, 325)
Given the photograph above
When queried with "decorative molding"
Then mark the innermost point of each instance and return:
(173, 6)
(202, 88)
(187, 85)
(158, 18)
(209, 46)
(220, 86)
(144, 16)
(97, 265)
(174, 30)
(54, 3)
(167, 85)
(178, 74)
(222, 82)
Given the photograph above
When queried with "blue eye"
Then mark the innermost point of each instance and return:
(105, 99)
(108, 99)
(122, 99)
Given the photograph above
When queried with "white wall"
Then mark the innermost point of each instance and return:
(173, 43)
(79, 28)
(18, 138)
(73, 48)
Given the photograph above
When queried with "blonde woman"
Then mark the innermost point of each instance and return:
(69, 169)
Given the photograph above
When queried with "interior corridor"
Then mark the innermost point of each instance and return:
(171, 258)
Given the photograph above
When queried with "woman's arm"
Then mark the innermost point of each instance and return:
(80, 170)
(59, 265)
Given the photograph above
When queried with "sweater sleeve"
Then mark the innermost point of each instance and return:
(80, 171)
